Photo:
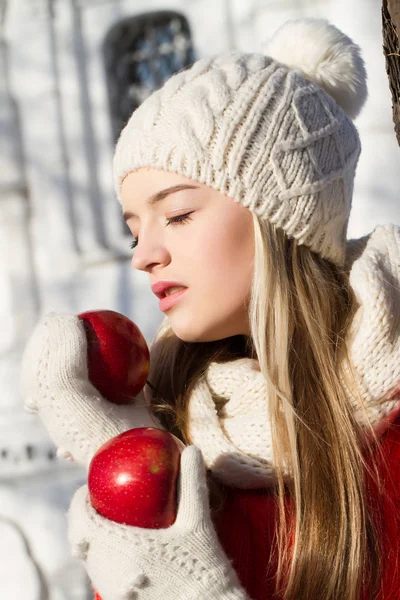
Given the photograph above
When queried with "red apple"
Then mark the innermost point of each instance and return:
(132, 478)
(117, 353)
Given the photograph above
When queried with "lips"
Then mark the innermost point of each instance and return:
(160, 287)
(175, 288)
(168, 302)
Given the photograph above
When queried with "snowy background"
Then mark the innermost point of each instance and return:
(63, 246)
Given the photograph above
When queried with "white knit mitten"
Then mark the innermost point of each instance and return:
(182, 562)
(55, 384)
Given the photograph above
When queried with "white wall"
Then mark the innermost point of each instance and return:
(60, 241)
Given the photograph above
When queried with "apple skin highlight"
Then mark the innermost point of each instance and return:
(132, 478)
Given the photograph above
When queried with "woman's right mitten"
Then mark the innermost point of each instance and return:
(56, 386)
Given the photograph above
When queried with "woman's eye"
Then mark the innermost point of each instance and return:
(180, 219)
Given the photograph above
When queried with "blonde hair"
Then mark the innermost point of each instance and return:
(300, 311)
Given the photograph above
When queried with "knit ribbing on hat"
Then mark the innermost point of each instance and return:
(258, 132)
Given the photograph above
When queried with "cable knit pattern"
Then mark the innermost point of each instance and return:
(259, 132)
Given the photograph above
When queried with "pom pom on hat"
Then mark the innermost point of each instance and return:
(326, 56)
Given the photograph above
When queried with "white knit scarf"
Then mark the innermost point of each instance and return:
(228, 409)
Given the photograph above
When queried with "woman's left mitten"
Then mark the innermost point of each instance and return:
(182, 562)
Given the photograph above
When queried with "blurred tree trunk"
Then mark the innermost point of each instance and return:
(391, 49)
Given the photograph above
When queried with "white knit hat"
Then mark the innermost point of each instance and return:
(274, 132)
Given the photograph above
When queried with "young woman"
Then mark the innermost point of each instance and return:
(278, 364)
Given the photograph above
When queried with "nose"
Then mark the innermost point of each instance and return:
(148, 254)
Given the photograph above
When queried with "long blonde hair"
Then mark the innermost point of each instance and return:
(300, 311)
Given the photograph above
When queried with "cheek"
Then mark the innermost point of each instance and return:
(225, 256)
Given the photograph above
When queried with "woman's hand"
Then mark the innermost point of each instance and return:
(182, 562)
(55, 384)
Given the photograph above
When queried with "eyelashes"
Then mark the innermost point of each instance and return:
(179, 220)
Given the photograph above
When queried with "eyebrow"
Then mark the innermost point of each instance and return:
(161, 195)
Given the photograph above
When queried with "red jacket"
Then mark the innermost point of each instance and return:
(245, 527)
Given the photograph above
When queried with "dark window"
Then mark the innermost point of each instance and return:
(140, 54)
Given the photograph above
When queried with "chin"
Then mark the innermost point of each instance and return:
(188, 334)
(191, 338)
(193, 331)
(202, 337)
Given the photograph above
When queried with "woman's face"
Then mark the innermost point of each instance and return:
(211, 253)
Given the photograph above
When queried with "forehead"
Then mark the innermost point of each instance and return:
(148, 186)
(149, 181)
(151, 186)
